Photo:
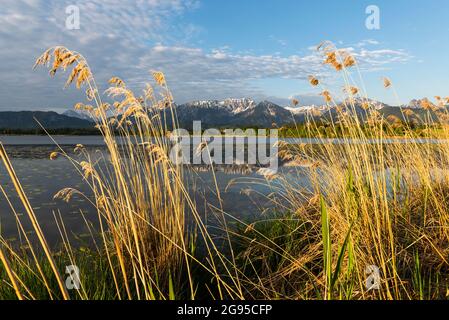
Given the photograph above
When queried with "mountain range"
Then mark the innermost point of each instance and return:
(266, 114)
(29, 120)
(212, 113)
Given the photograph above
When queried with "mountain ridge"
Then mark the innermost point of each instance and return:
(29, 120)
(232, 112)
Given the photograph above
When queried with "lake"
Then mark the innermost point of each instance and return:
(42, 178)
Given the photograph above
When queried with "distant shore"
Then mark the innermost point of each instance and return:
(61, 131)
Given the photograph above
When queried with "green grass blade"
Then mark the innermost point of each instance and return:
(327, 253)
(340, 257)
(171, 291)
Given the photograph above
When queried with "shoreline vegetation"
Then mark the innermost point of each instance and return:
(42, 132)
(372, 215)
(323, 130)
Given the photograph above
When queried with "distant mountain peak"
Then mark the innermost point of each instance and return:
(32, 120)
(233, 105)
(305, 109)
(418, 103)
(78, 114)
(361, 100)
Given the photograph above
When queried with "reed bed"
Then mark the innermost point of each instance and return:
(369, 206)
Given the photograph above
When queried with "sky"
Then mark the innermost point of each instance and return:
(217, 49)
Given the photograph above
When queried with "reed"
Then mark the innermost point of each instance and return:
(138, 192)
(343, 209)
(382, 204)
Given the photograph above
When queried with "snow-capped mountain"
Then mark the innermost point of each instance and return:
(265, 114)
(233, 113)
(232, 105)
(246, 112)
(358, 101)
(305, 109)
(77, 114)
(418, 103)
(413, 104)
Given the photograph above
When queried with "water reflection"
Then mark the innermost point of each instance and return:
(42, 179)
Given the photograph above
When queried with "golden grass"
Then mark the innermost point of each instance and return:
(367, 203)
(386, 201)
(139, 194)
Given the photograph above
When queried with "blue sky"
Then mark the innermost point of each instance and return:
(212, 49)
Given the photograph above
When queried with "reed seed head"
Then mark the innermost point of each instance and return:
(313, 81)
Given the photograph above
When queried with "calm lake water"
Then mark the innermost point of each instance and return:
(98, 140)
(42, 179)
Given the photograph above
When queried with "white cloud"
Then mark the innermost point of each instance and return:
(196, 73)
(128, 38)
(113, 36)
(367, 42)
